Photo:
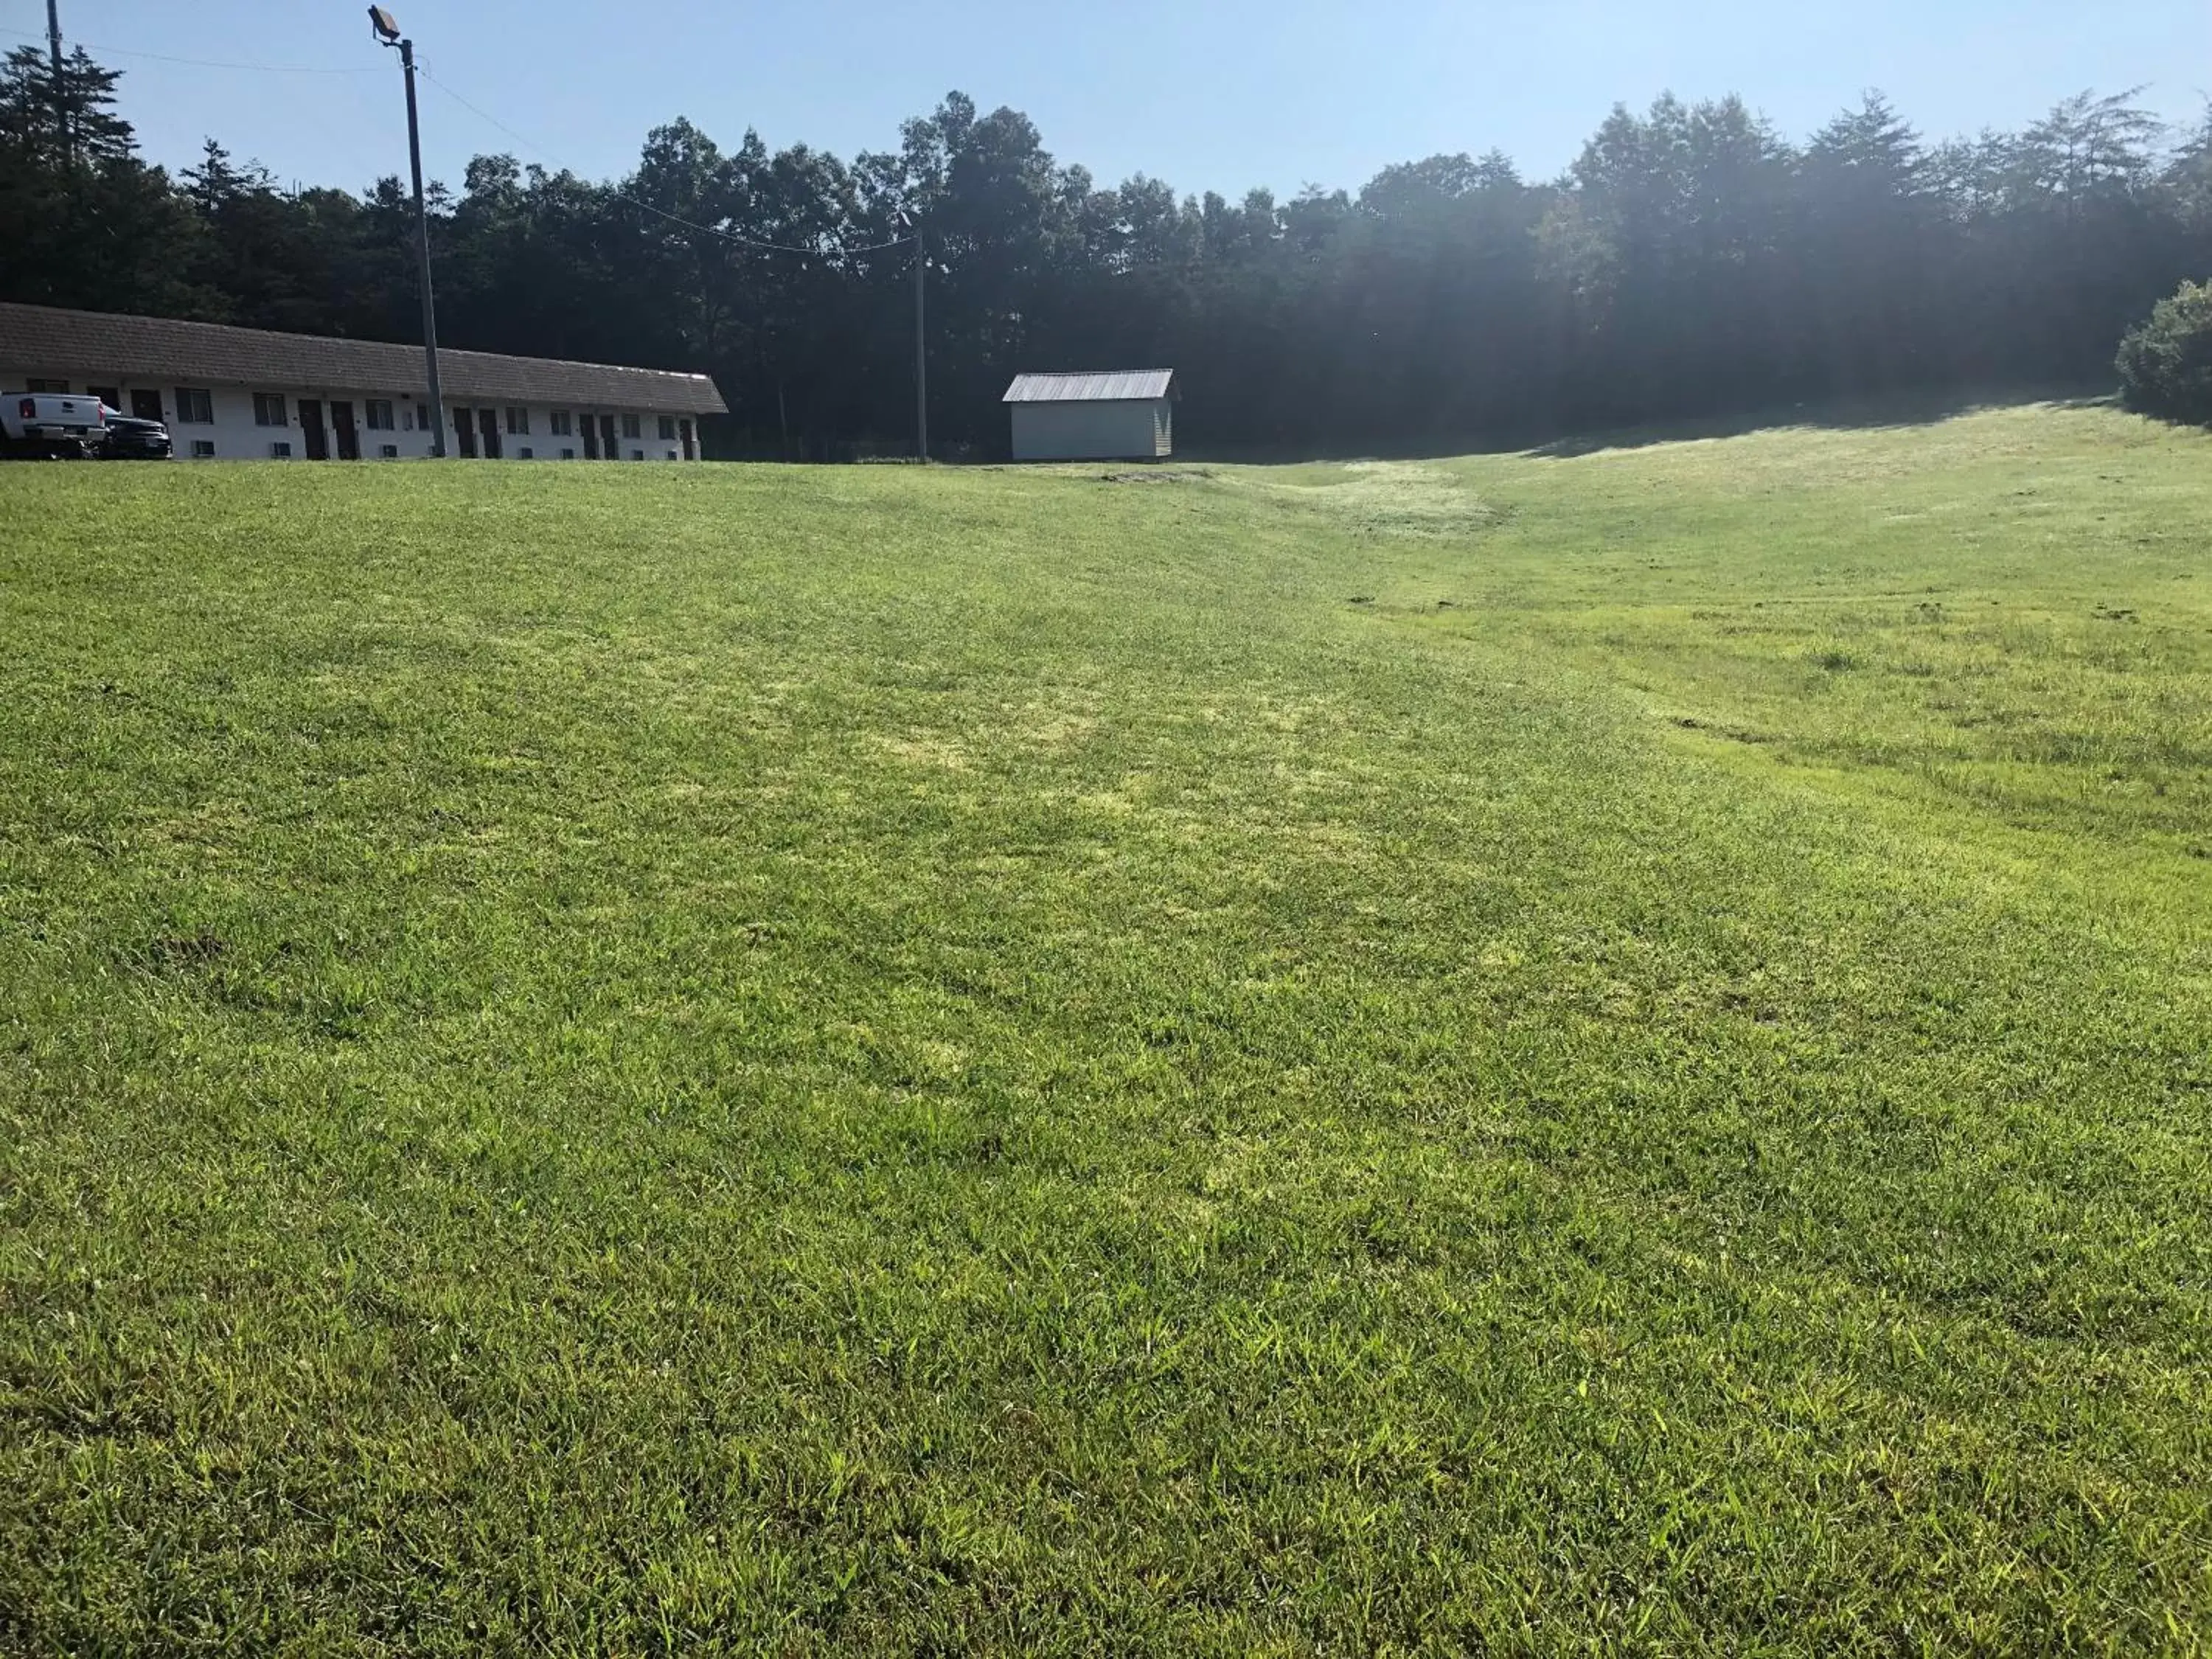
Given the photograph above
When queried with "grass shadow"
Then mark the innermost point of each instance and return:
(1850, 414)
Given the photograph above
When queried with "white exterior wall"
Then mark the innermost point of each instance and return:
(236, 438)
(1126, 431)
(545, 445)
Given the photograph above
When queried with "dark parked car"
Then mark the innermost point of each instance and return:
(130, 439)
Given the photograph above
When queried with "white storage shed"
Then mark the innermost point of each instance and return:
(1125, 416)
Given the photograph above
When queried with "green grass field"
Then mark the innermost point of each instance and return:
(1518, 1055)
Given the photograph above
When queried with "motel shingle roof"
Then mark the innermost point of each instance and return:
(37, 339)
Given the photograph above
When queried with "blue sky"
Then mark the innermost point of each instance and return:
(1217, 94)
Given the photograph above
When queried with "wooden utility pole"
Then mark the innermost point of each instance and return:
(61, 97)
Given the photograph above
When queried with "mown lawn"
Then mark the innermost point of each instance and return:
(1518, 1054)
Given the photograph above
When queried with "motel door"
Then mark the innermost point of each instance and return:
(349, 438)
(465, 432)
(146, 405)
(318, 440)
(591, 428)
(488, 423)
(690, 454)
(608, 441)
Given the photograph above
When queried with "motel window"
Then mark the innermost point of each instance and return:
(668, 430)
(280, 451)
(195, 406)
(379, 415)
(633, 426)
(518, 421)
(203, 449)
(422, 417)
(559, 423)
(269, 410)
(110, 395)
(36, 386)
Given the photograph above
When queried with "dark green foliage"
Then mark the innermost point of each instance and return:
(61, 119)
(83, 220)
(1692, 261)
(2166, 363)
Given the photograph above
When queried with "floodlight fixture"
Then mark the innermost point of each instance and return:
(386, 25)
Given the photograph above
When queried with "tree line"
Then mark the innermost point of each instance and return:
(1692, 261)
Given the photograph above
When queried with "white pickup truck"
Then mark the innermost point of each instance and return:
(47, 425)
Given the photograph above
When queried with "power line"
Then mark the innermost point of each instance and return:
(193, 62)
(673, 218)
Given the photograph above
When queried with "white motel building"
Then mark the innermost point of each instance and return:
(248, 394)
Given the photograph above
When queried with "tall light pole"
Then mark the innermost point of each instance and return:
(921, 337)
(920, 344)
(387, 32)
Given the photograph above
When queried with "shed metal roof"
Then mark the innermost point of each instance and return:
(42, 337)
(1118, 387)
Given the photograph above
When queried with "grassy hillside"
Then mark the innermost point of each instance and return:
(1528, 1052)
